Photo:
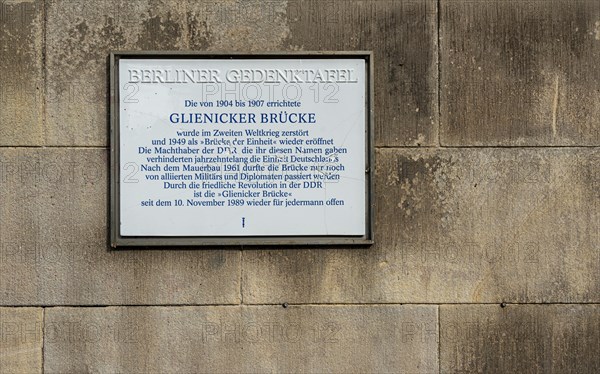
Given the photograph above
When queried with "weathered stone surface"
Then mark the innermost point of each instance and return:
(403, 36)
(21, 72)
(54, 241)
(457, 225)
(80, 35)
(520, 73)
(225, 25)
(557, 339)
(259, 339)
(21, 340)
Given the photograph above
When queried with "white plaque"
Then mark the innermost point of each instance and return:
(254, 146)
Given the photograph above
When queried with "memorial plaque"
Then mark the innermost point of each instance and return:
(241, 149)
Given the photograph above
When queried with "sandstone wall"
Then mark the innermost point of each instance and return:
(487, 197)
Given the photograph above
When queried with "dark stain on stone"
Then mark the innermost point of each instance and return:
(80, 31)
(530, 37)
(578, 26)
(17, 34)
(201, 38)
(86, 48)
(112, 34)
(424, 168)
(159, 33)
(218, 260)
(409, 79)
(409, 169)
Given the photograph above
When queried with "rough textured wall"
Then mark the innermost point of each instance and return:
(487, 254)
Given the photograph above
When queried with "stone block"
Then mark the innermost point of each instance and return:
(520, 339)
(54, 244)
(456, 226)
(520, 73)
(256, 339)
(21, 340)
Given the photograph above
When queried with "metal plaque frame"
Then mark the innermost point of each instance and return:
(118, 241)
